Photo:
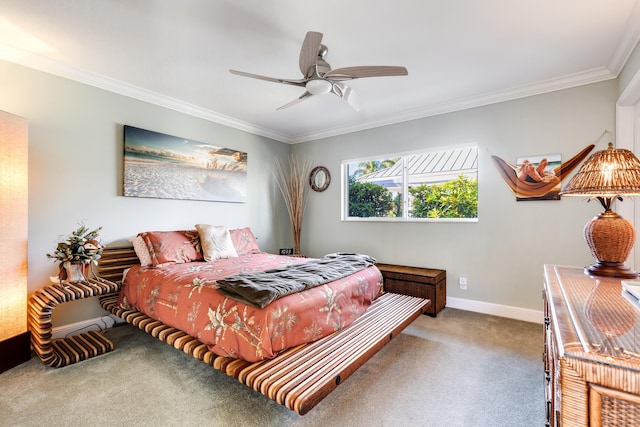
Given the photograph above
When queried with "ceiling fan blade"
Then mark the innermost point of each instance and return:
(295, 101)
(294, 82)
(309, 51)
(349, 73)
(347, 94)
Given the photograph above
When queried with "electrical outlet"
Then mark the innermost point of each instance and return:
(462, 281)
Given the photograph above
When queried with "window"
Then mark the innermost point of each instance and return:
(439, 184)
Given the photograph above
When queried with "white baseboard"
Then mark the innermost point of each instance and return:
(95, 324)
(517, 313)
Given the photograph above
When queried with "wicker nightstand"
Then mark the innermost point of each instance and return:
(591, 353)
(69, 350)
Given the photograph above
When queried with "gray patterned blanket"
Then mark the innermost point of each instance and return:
(261, 288)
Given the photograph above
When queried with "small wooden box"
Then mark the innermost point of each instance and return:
(418, 282)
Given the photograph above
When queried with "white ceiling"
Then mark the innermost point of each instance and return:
(459, 53)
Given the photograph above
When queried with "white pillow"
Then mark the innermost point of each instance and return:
(140, 248)
(216, 242)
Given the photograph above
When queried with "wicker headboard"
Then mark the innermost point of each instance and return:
(114, 261)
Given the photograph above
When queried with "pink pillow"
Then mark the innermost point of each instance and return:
(244, 241)
(140, 248)
(172, 246)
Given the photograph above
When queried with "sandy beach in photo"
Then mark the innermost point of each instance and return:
(169, 180)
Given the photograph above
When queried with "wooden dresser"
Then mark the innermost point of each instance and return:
(592, 351)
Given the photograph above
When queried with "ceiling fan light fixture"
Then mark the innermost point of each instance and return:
(319, 79)
(318, 86)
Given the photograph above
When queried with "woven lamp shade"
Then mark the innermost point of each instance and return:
(607, 175)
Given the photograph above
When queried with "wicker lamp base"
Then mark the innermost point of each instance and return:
(610, 239)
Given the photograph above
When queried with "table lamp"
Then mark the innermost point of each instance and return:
(608, 175)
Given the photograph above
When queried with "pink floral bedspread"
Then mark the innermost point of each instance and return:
(185, 296)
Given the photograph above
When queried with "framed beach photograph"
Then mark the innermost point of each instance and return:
(168, 167)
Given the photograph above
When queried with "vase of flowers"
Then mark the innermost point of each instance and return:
(76, 252)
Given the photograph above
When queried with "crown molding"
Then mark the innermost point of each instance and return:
(628, 41)
(552, 85)
(50, 66)
(57, 68)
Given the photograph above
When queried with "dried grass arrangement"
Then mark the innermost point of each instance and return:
(292, 180)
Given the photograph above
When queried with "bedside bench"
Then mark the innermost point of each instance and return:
(418, 282)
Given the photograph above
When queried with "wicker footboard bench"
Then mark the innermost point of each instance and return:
(300, 377)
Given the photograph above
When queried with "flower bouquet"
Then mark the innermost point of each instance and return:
(79, 249)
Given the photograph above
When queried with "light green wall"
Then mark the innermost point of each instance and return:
(503, 254)
(75, 171)
(75, 150)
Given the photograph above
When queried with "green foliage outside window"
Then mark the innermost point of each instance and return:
(452, 199)
(367, 199)
(397, 205)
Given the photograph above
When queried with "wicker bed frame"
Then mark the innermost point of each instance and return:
(300, 377)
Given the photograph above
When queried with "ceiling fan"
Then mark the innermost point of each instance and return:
(319, 78)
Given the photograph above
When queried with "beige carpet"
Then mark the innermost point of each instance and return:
(459, 369)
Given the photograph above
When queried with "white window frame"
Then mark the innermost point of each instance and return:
(344, 191)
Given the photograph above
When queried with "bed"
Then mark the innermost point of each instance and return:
(295, 350)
